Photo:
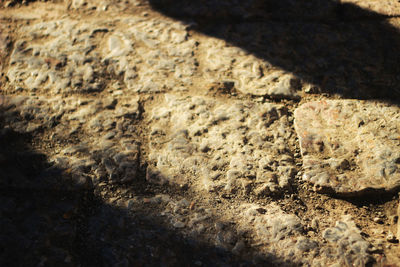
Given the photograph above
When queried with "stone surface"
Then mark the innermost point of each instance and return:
(349, 147)
(285, 233)
(250, 75)
(153, 55)
(347, 244)
(133, 134)
(57, 57)
(71, 56)
(297, 47)
(214, 145)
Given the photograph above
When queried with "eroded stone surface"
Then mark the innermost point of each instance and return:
(250, 74)
(349, 146)
(347, 244)
(282, 232)
(153, 55)
(232, 145)
(58, 57)
(76, 71)
(66, 56)
(286, 236)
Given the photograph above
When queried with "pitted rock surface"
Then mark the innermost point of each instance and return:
(67, 56)
(57, 57)
(153, 55)
(252, 46)
(347, 243)
(163, 133)
(349, 146)
(287, 236)
(214, 145)
(250, 75)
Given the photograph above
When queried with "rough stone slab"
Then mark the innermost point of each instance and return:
(70, 56)
(237, 146)
(284, 235)
(349, 147)
(251, 75)
(348, 246)
(280, 232)
(56, 56)
(103, 5)
(153, 55)
(280, 58)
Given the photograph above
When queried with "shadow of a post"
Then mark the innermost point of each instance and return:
(341, 48)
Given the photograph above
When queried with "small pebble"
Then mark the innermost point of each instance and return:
(315, 224)
(179, 224)
(391, 237)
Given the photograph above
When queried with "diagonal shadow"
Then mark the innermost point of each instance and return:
(341, 48)
(48, 218)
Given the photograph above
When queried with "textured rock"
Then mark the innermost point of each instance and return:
(349, 147)
(283, 233)
(251, 75)
(56, 56)
(73, 56)
(152, 55)
(347, 244)
(230, 145)
(100, 90)
(294, 48)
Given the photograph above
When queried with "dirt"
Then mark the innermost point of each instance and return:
(298, 199)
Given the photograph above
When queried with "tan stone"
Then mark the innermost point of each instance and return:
(349, 146)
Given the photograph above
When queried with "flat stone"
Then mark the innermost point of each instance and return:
(282, 232)
(149, 57)
(250, 74)
(348, 245)
(235, 146)
(349, 147)
(56, 56)
(258, 54)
